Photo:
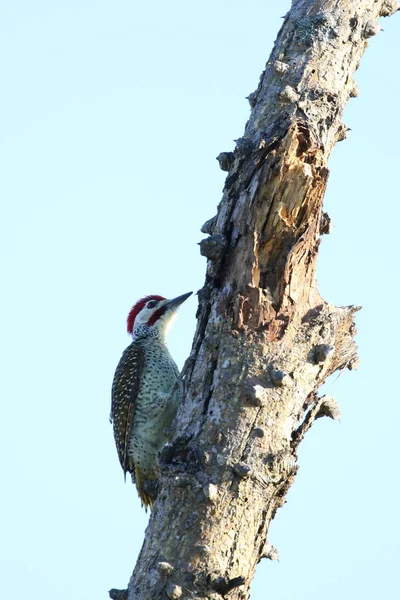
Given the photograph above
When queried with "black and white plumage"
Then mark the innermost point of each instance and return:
(142, 405)
(124, 392)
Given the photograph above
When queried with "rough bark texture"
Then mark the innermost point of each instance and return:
(265, 339)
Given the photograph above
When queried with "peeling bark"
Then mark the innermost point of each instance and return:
(265, 339)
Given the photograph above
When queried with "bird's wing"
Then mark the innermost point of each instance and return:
(125, 389)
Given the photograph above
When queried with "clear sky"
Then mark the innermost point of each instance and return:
(112, 116)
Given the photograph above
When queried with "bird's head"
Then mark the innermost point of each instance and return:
(152, 315)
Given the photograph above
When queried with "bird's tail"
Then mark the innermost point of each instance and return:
(141, 478)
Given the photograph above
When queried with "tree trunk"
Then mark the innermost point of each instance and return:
(265, 339)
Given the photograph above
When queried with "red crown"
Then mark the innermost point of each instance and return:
(135, 310)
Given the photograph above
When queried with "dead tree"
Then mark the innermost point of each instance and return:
(265, 339)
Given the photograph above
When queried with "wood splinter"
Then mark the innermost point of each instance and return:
(224, 586)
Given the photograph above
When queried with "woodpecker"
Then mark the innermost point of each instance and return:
(142, 403)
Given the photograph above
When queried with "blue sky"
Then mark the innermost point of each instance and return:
(113, 114)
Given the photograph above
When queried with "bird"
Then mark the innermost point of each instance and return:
(143, 401)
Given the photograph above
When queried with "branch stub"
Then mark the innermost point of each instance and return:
(322, 352)
(165, 568)
(242, 469)
(226, 160)
(289, 95)
(389, 7)
(213, 247)
(173, 591)
(328, 408)
(371, 28)
(207, 227)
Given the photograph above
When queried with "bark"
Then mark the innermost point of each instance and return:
(265, 339)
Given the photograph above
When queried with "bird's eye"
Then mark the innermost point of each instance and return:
(152, 304)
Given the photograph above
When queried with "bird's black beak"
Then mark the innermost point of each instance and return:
(175, 302)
